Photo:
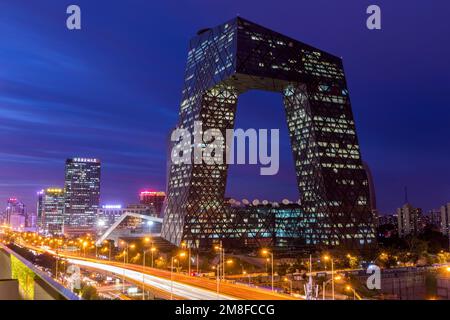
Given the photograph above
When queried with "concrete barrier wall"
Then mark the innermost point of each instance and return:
(9, 290)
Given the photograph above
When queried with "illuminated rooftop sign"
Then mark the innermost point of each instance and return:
(112, 206)
(93, 160)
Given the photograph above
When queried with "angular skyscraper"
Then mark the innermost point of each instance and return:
(408, 220)
(82, 192)
(225, 61)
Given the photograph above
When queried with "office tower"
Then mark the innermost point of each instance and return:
(30, 220)
(408, 219)
(153, 198)
(82, 192)
(434, 217)
(237, 56)
(51, 210)
(14, 208)
(39, 209)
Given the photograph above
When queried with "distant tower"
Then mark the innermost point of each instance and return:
(408, 220)
(39, 209)
(13, 208)
(445, 221)
(82, 192)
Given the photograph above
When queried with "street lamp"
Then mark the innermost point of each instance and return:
(337, 278)
(125, 255)
(230, 262)
(221, 250)
(132, 246)
(109, 242)
(290, 284)
(153, 249)
(349, 288)
(184, 245)
(245, 273)
(326, 258)
(172, 260)
(84, 247)
(171, 276)
(267, 252)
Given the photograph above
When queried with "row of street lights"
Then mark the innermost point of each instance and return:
(220, 267)
(326, 258)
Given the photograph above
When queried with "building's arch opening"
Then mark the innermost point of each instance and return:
(263, 110)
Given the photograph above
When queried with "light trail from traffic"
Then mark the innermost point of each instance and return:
(178, 289)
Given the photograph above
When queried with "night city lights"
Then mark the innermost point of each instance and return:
(225, 159)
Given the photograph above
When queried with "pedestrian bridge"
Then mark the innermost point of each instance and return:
(21, 280)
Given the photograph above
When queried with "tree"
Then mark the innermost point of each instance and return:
(89, 293)
(282, 269)
(417, 247)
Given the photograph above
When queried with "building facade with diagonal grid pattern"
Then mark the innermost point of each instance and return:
(238, 56)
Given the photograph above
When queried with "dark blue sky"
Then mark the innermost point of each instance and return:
(112, 91)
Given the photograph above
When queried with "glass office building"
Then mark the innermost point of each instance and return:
(82, 192)
(51, 210)
(237, 56)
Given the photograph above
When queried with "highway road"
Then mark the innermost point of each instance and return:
(179, 289)
(184, 286)
(227, 290)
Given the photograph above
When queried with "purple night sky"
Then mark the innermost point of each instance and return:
(112, 91)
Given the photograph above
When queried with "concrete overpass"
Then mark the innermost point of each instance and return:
(21, 280)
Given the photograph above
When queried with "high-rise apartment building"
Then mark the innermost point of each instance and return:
(387, 219)
(51, 210)
(238, 56)
(408, 219)
(82, 192)
(434, 218)
(39, 209)
(445, 220)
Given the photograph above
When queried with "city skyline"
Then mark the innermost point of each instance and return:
(399, 118)
(224, 150)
